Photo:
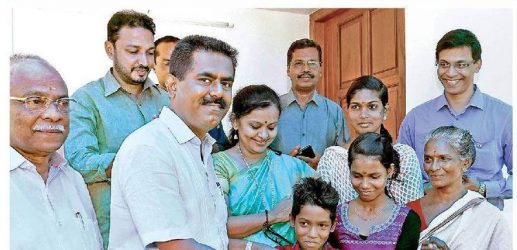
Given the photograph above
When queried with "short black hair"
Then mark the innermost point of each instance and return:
(128, 18)
(317, 192)
(164, 39)
(458, 38)
(181, 58)
(302, 44)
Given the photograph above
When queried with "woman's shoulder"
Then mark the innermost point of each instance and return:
(289, 161)
(333, 156)
(338, 150)
(404, 149)
(220, 155)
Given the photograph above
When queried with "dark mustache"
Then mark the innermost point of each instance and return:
(305, 74)
(210, 100)
(140, 67)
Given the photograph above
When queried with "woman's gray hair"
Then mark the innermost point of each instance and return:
(459, 139)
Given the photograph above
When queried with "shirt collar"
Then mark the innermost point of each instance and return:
(475, 101)
(179, 129)
(17, 160)
(111, 85)
(316, 98)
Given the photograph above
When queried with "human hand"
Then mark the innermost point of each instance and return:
(434, 243)
(295, 151)
(471, 183)
(313, 162)
(281, 212)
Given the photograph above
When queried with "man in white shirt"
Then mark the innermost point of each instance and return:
(50, 205)
(164, 191)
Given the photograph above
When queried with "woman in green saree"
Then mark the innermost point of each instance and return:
(257, 181)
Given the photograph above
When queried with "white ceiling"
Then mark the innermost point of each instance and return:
(297, 11)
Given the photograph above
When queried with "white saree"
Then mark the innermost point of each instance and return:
(480, 227)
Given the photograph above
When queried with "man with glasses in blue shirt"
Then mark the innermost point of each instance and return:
(308, 118)
(489, 120)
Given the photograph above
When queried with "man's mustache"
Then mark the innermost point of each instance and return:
(141, 67)
(210, 100)
(49, 128)
(305, 74)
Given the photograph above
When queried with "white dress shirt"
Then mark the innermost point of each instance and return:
(164, 188)
(53, 215)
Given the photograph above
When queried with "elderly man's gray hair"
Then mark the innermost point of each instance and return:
(20, 60)
(459, 139)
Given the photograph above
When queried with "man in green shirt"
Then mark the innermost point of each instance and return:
(112, 107)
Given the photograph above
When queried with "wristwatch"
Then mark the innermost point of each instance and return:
(482, 189)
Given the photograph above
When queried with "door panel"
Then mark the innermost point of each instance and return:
(358, 42)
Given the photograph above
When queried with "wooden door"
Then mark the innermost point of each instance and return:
(358, 42)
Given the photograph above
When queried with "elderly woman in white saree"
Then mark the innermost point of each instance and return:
(452, 216)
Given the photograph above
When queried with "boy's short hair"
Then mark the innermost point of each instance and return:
(316, 192)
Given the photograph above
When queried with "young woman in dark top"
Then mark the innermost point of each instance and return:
(373, 220)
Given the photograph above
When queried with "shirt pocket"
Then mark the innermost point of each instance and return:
(91, 235)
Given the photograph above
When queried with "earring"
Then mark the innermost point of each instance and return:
(236, 135)
(384, 117)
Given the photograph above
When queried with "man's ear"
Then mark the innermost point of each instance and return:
(478, 65)
(109, 47)
(292, 219)
(171, 84)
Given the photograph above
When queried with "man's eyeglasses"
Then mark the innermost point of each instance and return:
(312, 64)
(41, 103)
(444, 65)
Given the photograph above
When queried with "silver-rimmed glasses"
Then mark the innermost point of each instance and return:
(312, 64)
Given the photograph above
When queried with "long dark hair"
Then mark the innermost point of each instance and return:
(248, 99)
(374, 84)
(378, 146)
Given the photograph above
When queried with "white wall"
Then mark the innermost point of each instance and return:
(72, 40)
(425, 26)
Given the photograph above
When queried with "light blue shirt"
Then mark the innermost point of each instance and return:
(321, 125)
(488, 119)
(104, 115)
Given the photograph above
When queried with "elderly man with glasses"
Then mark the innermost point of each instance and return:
(308, 118)
(50, 205)
(462, 104)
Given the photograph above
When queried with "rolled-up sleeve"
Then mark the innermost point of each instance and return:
(82, 145)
